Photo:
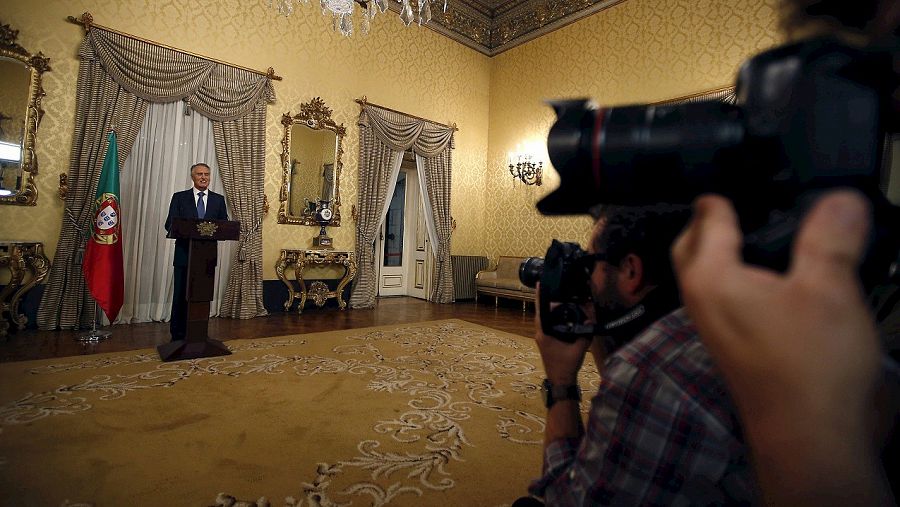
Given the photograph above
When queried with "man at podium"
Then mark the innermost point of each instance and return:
(196, 202)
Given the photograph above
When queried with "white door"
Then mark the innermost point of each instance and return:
(402, 246)
(419, 272)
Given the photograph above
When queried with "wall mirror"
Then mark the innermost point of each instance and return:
(20, 114)
(311, 165)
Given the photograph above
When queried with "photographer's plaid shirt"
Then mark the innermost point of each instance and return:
(662, 431)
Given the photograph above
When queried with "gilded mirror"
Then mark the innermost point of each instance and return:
(311, 165)
(20, 114)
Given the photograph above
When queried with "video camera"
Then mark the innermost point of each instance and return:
(809, 117)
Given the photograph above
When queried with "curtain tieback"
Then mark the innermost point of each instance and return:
(71, 219)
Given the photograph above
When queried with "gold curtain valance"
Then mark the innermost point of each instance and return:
(159, 73)
(401, 131)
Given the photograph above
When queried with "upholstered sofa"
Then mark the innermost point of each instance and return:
(503, 282)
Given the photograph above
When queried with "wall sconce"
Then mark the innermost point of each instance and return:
(522, 168)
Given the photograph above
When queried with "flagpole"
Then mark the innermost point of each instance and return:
(102, 265)
(95, 335)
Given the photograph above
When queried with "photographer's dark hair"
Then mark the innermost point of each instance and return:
(874, 19)
(646, 231)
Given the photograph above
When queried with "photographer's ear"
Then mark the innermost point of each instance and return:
(631, 277)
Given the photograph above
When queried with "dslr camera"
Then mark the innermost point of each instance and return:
(808, 117)
(564, 275)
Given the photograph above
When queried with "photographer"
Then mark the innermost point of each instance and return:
(661, 428)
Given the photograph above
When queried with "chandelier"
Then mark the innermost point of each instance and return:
(342, 11)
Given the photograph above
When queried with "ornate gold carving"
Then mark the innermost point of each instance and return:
(28, 266)
(319, 292)
(314, 112)
(8, 38)
(207, 229)
(494, 27)
(63, 186)
(26, 194)
(317, 116)
(85, 20)
(299, 259)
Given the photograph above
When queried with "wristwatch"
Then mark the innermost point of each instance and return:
(553, 393)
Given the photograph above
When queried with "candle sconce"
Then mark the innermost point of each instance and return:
(523, 168)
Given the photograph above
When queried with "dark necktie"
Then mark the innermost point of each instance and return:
(201, 209)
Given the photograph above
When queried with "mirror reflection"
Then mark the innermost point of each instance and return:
(313, 154)
(311, 165)
(15, 78)
(20, 113)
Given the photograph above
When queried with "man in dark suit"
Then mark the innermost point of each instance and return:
(196, 202)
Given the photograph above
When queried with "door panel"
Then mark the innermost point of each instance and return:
(403, 247)
(392, 276)
(419, 255)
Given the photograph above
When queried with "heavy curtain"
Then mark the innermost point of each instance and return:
(169, 142)
(118, 77)
(384, 136)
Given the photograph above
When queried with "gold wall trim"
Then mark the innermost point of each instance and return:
(86, 20)
(491, 31)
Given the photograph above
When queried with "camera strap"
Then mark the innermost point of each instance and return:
(620, 328)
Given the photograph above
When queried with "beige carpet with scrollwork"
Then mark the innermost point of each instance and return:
(437, 413)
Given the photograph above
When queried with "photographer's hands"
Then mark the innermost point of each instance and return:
(562, 362)
(799, 350)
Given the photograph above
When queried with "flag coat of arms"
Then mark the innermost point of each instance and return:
(103, 267)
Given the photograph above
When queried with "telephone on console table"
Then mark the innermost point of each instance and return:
(319, 291)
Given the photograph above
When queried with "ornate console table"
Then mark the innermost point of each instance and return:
(28, 266)
(299, 260)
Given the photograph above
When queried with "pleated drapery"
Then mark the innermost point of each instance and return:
(118, 77)
(384, 136)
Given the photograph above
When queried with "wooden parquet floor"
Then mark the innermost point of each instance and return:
(508, 316)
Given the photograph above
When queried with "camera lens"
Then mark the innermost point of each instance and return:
(611, 155)
(530, 271)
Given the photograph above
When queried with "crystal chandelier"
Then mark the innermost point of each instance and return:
(342, 11)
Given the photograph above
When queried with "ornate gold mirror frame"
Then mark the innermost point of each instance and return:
(25, 192)
(317, 117)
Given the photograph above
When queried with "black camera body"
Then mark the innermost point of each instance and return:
(809, 117)
(565, 287)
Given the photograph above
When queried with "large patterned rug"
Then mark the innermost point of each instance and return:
(431, 414)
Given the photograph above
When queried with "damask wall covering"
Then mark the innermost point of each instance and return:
(412, 69)
(639, 50)
(635, 52)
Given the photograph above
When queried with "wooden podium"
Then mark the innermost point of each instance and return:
(202, 236)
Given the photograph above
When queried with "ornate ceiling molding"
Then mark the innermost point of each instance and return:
(494, 26)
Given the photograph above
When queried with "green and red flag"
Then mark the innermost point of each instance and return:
(103, 265)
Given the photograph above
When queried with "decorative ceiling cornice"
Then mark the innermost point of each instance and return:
(494, 26)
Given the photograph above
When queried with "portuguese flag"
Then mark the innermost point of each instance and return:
(103, 266)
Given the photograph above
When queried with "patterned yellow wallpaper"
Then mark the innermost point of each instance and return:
(637, 51)
(640, 50)
(410, 69)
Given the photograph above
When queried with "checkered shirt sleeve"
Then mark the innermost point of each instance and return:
(661, 431)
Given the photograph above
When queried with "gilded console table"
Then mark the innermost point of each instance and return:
(28, 266)
(318, 291)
